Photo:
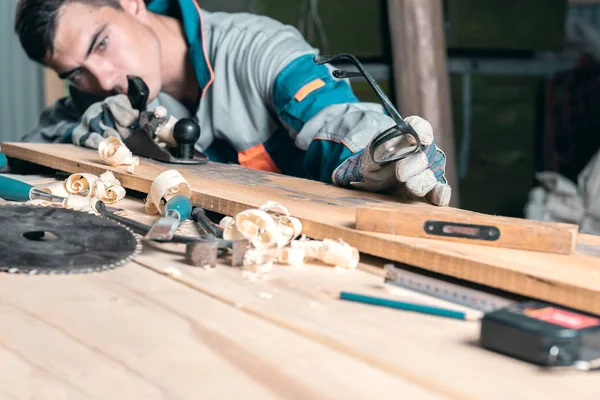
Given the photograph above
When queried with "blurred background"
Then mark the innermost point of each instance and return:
(524, 82)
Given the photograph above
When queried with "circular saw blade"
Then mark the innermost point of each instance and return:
(46, 240)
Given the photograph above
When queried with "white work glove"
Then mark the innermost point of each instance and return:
(116, 117)
(112, 117)
(421, 175)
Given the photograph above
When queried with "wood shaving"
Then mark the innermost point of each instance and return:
(257, 256)
(172, 272)
(166, 185)
(226, 221)
(80, 184)
(56, 189)
(40, 203)
(108, 189)
(289, 229)
(291, 255)
(164, 133)
(337, 253)
(230, 231)
(114, 152)
(79, 203)
(124, 213)
(160, 112)
(258, 260)
(258, 227)
(288, 226)
(274, 207)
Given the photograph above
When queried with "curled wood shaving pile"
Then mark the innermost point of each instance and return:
(82, 190)
(275, 238)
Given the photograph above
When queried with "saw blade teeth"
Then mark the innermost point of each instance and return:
(127, 253)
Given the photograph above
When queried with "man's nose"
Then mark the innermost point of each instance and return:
(106, 77)
(107, 82)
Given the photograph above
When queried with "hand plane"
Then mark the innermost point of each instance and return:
(141, 141)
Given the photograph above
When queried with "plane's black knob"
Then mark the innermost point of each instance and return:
(186, 133)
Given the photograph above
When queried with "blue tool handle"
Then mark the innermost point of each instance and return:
(181, 204)
(3, 160)
(14, 190)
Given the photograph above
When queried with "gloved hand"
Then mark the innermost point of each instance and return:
(116, 117)
(112, 117)
(420, 175)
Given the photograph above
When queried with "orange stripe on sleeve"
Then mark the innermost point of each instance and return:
(308, 89)
(210, 68)
(257, 157)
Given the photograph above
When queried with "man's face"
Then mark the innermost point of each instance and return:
(96, 48)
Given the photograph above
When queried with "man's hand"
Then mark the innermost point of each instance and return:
(112, 117)
(420, 175)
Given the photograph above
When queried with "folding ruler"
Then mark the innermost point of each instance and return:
(454, 293)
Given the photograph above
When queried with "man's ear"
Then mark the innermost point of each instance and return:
(137, 8)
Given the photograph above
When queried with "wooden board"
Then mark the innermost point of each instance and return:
(134, 334)
(438, 354)
(511, 233)
(329, 212)
(588, 245)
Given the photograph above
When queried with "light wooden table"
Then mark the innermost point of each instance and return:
(138, 332)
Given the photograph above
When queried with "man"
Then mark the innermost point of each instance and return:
(250, 82)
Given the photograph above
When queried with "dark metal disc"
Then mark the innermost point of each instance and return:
(46, 240)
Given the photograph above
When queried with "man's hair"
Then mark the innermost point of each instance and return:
(36, 20)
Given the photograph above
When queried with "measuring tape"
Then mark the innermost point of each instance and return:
(530, 330)
(464, 296)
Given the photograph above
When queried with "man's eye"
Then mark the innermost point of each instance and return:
(102, 45)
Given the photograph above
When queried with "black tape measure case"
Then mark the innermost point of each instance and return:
(541, 333)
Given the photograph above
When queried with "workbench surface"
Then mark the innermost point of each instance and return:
(142, 332)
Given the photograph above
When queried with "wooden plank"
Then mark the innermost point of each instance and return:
(437, 353)
(134, 334)
(588, 245)
(329, 212)
(511, 233)
(421, 72)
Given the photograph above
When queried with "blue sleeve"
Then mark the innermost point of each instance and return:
(302, 90)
